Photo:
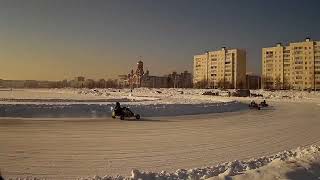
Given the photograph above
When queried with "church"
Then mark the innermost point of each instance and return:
(139, 78)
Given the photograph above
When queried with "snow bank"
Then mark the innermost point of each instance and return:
(291, 95)
(231, 170)
(194, 96)
(169, 92)
(224, 169)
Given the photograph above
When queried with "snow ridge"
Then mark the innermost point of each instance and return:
(224, 169)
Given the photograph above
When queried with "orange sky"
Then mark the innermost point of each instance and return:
(59, 39)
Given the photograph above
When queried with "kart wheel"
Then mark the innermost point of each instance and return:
(259, 108)
(113, 117)
(122, 117)
(137, 116)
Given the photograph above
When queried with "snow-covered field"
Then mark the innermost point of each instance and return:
(77, 147)
(139, 95)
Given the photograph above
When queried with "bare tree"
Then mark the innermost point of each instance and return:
(200, 84)
(286, 83)
(278, 83)
(266, 83)
(101, 83)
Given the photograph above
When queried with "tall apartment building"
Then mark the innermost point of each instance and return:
(294, 66)
(222, 68)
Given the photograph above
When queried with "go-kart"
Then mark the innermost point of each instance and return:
(254, 106)
(264, 104)
(125, 113)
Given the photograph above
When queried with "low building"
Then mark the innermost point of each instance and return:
(139, 78)
(154, 81)
(253, 81)
(182, 80)
(123, 81)
(13, 83)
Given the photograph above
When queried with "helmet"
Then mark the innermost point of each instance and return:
(117, 104)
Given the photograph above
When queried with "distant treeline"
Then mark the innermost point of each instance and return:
(89, 83)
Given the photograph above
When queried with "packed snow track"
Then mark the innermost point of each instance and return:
(72, 148)
(84, 110)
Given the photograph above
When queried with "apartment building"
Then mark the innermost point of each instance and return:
(222, 68)
(296, 66)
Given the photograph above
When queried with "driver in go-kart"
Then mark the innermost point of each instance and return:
(118, 109)
(253, 103)
(122, 112)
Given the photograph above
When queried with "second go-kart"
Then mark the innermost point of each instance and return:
(264, 104)
(254, 105)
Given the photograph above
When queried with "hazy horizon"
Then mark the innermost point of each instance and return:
(56, 40)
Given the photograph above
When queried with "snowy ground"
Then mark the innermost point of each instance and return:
(301, 163)
(93, 103)
(70, 148)
(139, 95)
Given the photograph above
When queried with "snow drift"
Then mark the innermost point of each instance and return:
(223, 170)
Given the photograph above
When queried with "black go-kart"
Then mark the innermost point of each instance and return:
(125, 113)
(254, 106)
(264, 104)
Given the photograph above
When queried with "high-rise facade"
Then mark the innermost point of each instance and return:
(295, 66)
(222, 68)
